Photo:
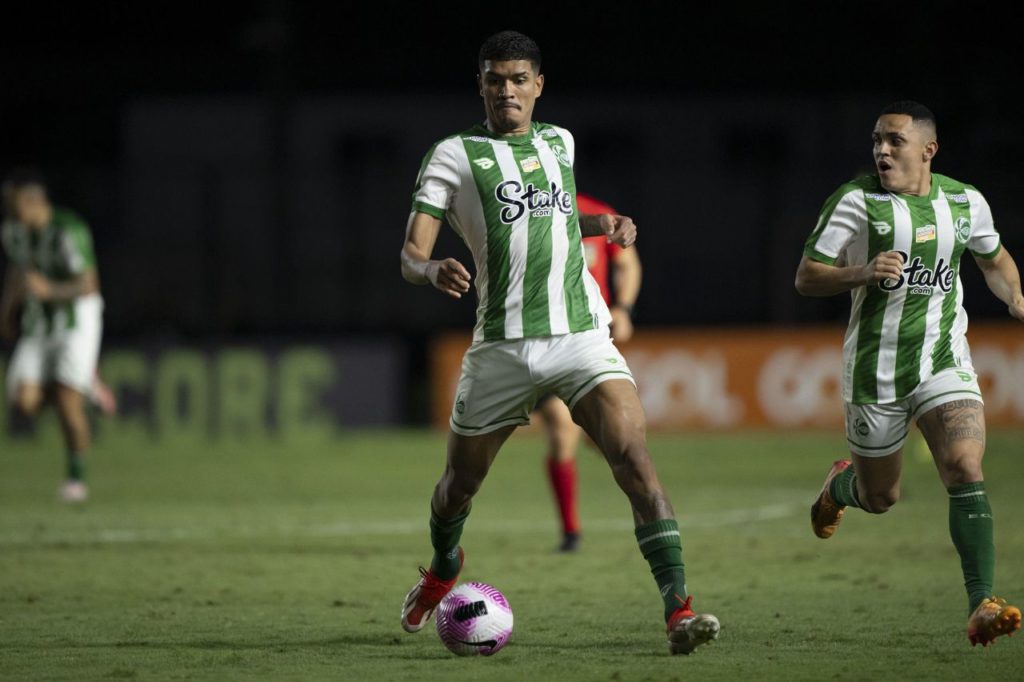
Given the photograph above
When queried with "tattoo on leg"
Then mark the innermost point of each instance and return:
(961, 420)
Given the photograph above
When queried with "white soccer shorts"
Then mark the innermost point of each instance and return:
(880, 430)
(66, 356)
(502, 380)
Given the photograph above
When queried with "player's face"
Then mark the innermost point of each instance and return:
(509, 90)
(31, 207)
(903, 151)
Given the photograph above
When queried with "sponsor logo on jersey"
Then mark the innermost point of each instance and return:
(486, 164)
(561, 155)
(549, 132)
(958, 198)
(921, 280)
(477, 138)
(539, 202)
(962, 228)
(878, 197)
(881, 227)
(529, 164)
(924, 234)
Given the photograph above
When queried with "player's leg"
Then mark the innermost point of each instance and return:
(469, 460)
(74, 423)
(563, 436)
(955, 432)
(495, 394)
(871, 480)
(76, 354)
(611, 414)
(26, 376)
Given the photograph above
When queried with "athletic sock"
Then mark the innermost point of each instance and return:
(76, 466)
(843, 488)
(660, 545)
(444, 536)
(563, 482)
(970, 526)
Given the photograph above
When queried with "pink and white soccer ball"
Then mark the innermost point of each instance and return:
(474, 619)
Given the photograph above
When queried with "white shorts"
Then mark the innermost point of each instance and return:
(66, 356)
(502, 380)
(880, 430)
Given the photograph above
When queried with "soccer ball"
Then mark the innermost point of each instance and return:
(474, 619)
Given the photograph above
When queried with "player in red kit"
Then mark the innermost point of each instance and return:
(617, 271)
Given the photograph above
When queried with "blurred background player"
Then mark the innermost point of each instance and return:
(52, 281)
(617, 272)
(894, 239)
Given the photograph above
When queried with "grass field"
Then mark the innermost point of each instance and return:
(290, 561)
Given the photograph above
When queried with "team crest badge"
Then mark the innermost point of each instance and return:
(561, 155)
(962, 229)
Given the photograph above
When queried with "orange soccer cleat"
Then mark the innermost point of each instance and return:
(826, 513)
(992, 618)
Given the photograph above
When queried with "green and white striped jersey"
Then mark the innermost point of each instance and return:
(61, 251)
(513, 201)
(903, 331)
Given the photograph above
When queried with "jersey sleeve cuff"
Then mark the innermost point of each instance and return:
(820, 257)
(991, 254)
(421, 207)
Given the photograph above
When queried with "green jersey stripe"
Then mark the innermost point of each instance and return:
(888, 343)
(873, 305)
(536, 320)
(924, 241)
(497, 240)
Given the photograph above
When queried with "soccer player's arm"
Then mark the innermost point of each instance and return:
(10, 299)
(997, 265)
(436, 186)
(81, 259)
(843, 218)
(627, 274)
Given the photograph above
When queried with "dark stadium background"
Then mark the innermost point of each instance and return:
(246, 168)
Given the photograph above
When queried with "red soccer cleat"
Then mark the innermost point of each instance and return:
(688, 630)
(424, 597)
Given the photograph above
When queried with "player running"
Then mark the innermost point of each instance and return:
(506, 186)
(608, 262)
(894, 240)
(52, 278)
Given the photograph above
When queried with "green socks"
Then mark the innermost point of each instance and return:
(76, 466)
(970, 526)
(660, 545)
(843, 488)
(444, 536)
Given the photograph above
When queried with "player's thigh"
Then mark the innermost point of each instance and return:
(562, 432)
(951, 414)
(495, 389)
(581, 363)
(27, 373)
(612, 416)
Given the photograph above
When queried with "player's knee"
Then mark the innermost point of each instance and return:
(29, 403)
(961, 466)
(880, 502)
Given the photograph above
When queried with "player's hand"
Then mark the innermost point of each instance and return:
(1017, 309)
(886, 265)
(622, 325)
(449, 276)
(619, 229)
(37, 285)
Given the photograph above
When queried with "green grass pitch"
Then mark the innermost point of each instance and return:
(289, 560)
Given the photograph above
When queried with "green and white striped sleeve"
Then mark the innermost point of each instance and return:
(984, 240)
(438, 180)
(843, 217)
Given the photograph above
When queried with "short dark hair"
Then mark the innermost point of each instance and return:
(915, 110)
(509, 46)
(23, 177)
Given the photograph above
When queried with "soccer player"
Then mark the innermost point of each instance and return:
(506, 186)
(51, 276)
(608, 262)
(894, 239)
